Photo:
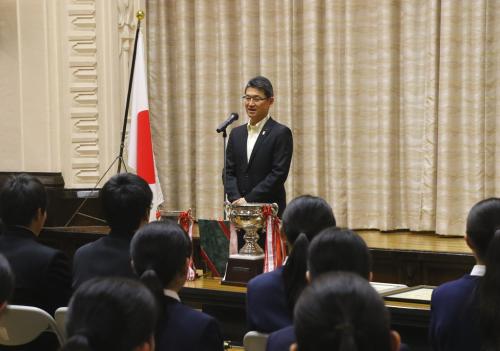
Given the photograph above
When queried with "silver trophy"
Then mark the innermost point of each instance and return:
(250, 219)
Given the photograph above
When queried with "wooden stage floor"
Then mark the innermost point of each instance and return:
(414, 241)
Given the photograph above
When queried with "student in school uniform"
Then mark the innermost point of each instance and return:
(126, 202)
(161, 254)
(465, 313)
(271, 296)
(112, 314)
(340, 311)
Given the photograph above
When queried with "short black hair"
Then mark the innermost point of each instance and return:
(6, 280)
(261, 83)
(20, 198)
(126, 200)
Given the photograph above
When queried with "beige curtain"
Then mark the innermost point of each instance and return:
(393, 104)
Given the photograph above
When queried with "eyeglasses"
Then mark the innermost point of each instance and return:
(256, 99)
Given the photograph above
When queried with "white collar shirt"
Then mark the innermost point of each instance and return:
(253, 134)
(172, 294)
(478, 270)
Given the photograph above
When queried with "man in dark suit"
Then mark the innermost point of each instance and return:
(259, 153)
(42, 274)
(126, 201)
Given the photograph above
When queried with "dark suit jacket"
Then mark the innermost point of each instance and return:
(262, 178)
(106, 257)
(184, 329)
(267, 308)
(454, 324)
(42, 274)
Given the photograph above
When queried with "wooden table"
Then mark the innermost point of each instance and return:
(227, 304)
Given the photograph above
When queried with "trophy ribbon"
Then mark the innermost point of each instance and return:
(274, 251)
(186, 221)
(233, 239)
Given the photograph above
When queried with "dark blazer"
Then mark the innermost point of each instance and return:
(42, 274)
(454, 324)
(262, 178)
(106, 257)
(267, 308)
(281, 340)
(185, 329)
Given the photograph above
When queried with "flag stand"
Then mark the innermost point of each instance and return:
(119, 158)
(140, 17)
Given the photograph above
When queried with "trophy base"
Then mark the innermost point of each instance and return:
(241, 268)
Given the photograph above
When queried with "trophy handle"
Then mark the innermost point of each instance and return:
(227, 208)
(275, 208)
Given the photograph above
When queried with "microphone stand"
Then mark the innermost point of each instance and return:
(224, 136)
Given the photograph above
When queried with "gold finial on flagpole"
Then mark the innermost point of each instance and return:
(140, 15)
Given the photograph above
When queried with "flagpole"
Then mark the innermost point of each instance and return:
(140, 17)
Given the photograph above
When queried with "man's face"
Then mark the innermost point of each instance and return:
(258, 106)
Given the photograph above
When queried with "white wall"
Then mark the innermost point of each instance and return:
(64, 68)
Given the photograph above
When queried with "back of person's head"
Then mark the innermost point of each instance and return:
(261, 83)
(340, 311)
(306, 214)
(489, 297)
(304, 217)
(6, 281)
(110, 314)
(483, 233)
(338, 250)
(126, 201)
(159, 252)
(20, 199)
(482, 221)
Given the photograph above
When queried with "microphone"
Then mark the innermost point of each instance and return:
(232, 117)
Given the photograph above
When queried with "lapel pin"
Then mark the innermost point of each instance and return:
(264, 132)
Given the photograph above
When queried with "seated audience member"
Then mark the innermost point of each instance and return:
(6, 282)
(107, 314)
(161, 254)
(489, 297)
(271, 296)
(126, 202)
(42, 273)
(465, 313)
(340, 311)
(331, 250)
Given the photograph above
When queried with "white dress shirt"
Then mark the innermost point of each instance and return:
(253, 134)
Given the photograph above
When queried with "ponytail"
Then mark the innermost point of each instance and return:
(304, 217)
(151, 280)
(347, 341)
(341, 311)
(489, 296)
(294, 271)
